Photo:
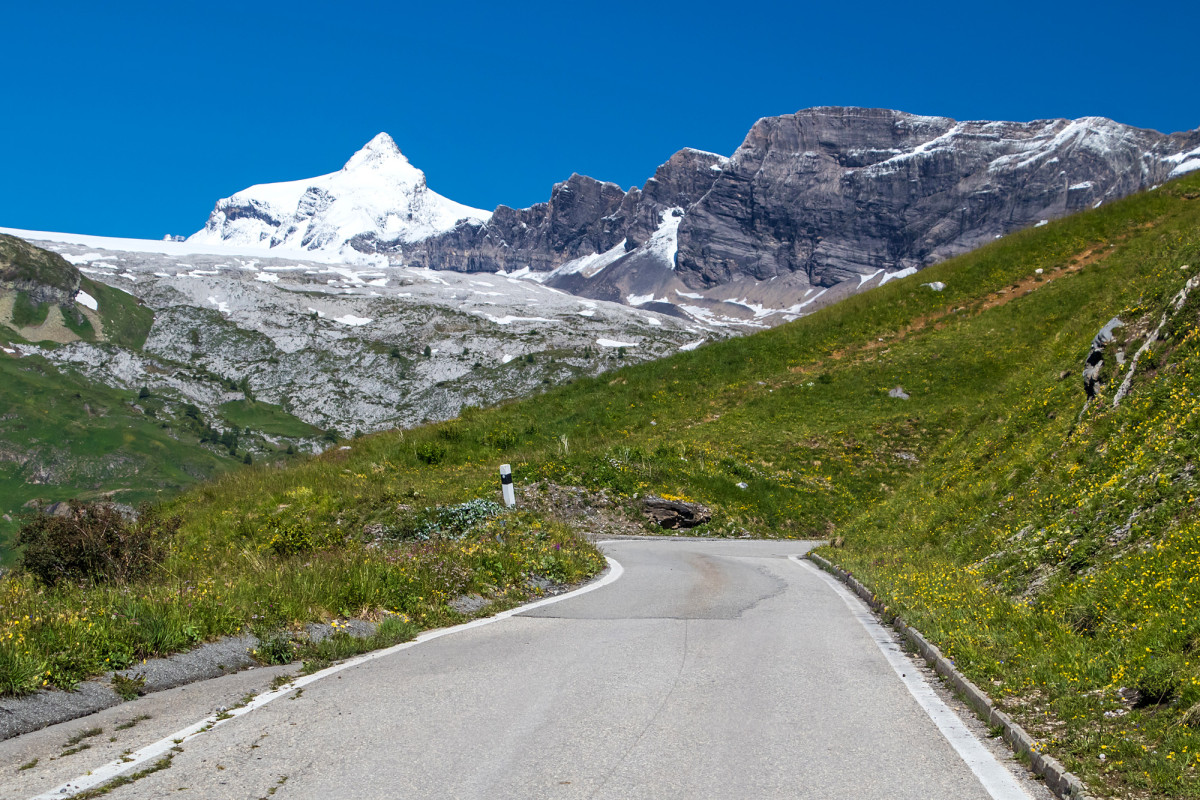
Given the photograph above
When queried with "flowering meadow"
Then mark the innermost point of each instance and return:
(1047, 543)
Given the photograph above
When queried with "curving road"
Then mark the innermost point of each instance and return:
(709, 669)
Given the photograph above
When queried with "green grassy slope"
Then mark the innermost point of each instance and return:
(1053, 559)
(26, 271)
(21, 262)
(63, 437)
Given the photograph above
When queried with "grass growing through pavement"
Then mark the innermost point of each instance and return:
(1055, 561)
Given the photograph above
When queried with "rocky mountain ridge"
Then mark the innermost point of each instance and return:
(835, 193)
(812, 207)
(343, 348)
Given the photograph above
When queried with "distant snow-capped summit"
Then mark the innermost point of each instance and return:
(377, 197)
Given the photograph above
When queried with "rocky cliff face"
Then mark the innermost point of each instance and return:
(834, 193)
(583, 217)
(46, 277)
(819, 205)
(820, 200)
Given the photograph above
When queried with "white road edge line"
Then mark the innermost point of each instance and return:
(160, 748)
(996, 779)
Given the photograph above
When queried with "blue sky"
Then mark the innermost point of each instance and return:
(132, 119)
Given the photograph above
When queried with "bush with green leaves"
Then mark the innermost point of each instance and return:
(20, 672)
(94, 542)
(431, 452)
(501, 438)
(275, 647)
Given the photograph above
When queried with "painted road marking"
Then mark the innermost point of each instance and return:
(162, 747)
(998, 781)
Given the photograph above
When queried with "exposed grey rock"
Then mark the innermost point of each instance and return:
(898, 392)
(1093, 365)
(828, 200)
(583, 217)
(468, 604)
(937, 286)
(59, 509)
(837, 192)
(674, 514)
(341, 346)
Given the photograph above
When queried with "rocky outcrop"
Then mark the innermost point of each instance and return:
(837, 192)
(44, 276)
(583, 217)
(674, 514)
(1093, 365)
(827, 195)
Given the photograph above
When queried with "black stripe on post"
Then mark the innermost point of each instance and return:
(505, 480)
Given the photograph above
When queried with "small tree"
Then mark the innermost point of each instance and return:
(428, 351)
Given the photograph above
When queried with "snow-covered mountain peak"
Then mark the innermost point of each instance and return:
(378, 197)
(379, 151)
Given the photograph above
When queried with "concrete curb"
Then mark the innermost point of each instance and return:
(226, 656)
(1058, 779)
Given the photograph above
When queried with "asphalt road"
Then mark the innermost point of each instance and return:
(707, 670)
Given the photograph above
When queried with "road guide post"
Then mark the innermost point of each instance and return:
(506, 485)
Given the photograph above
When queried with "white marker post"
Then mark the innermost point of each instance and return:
(506, 485)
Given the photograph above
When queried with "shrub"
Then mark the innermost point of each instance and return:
(275, 647)
(501, 438)
(160, 630)
(289, 537)
(450, 431)
(94, 542)
(129, 687)
(431, 452)
(454, 522)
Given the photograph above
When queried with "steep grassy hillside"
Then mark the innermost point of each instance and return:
(1048, 547)
(44, 298)
(63, 435)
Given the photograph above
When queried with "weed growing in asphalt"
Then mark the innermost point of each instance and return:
(128, 687)
(124, 726)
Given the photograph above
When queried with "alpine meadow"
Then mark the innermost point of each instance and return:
(1045, 540)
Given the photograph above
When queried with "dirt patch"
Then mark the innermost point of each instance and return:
(592, 514)
(938, 320)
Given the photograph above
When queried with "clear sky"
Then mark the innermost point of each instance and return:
(132, 119)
